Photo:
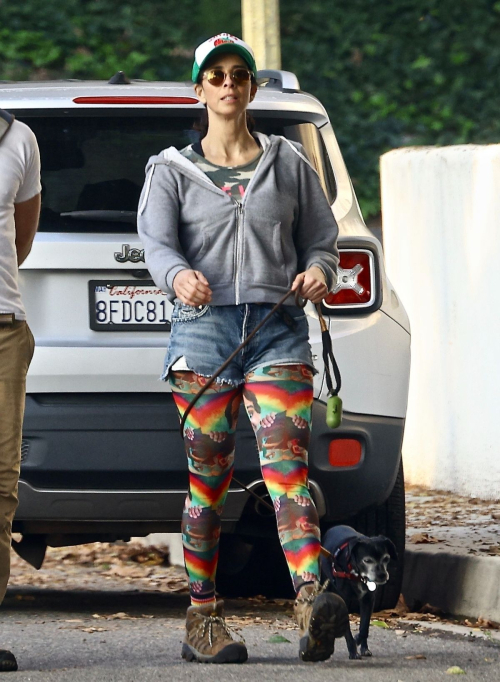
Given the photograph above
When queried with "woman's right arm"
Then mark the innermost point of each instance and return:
(158, 227)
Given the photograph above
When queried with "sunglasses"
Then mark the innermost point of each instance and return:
(239, 76)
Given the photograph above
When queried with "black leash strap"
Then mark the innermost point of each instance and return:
(328, 356)
(298, 300)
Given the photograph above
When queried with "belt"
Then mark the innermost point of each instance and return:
(7, 318)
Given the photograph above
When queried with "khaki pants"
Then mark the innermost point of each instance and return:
(16, 350)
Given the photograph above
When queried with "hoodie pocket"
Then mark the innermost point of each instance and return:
(263, 258)
(196, 247)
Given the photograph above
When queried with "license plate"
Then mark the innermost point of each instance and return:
(120, 306)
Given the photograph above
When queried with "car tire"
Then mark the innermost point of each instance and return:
(260, 568)
(387, 519)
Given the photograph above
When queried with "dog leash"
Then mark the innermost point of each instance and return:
(301, 304)
(334, 403)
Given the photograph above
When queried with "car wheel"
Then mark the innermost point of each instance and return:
(256, 566)
(387, 519)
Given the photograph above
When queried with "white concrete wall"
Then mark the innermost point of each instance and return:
(441, 226)
(170, 541)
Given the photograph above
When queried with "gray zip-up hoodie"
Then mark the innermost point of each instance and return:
(249, 252)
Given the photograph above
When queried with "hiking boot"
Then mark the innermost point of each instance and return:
(322, 617)
(208, 638)
(7, 661)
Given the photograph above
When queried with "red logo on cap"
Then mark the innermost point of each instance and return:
(221, 41)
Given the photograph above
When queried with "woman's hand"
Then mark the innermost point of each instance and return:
(311, 284)
(192, 288)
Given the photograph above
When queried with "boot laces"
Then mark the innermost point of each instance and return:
(317, 590)
(211, 622)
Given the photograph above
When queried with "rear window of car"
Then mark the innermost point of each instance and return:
(93, 165)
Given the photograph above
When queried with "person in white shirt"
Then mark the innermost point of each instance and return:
(19, 213)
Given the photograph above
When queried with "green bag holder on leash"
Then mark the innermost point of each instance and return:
(334, 403)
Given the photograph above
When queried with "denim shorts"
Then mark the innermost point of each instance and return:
(206, 336)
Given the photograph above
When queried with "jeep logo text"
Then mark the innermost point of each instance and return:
(128, 254)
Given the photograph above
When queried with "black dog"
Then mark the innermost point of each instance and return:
(359, 566)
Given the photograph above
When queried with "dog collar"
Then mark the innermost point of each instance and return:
(354, 576)
(350, 574)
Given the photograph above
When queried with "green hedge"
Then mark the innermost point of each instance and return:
(390, 74)
(397, 73)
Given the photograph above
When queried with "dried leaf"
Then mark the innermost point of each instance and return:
(150, 557)
(401, 609)
(429, 608)
(416, 657)
(486, 623)
(423, 539)
(126, 571)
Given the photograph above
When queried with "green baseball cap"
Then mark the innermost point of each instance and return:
(223, 42)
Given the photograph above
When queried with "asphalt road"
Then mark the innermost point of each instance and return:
(130, 636)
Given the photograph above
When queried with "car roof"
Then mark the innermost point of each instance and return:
(61, 94)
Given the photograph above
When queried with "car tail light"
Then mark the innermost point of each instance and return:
(135, 100)
(356, 283)
(345, 452)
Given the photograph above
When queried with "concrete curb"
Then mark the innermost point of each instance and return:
(459, 584)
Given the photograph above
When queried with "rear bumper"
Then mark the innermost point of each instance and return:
(117, 463)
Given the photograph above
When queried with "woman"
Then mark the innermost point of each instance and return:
(229, 225)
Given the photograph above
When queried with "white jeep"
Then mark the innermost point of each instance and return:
(102, 458)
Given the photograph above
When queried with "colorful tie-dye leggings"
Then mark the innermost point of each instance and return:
(278, 401)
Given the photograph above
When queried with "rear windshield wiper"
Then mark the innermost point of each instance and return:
(107, 216)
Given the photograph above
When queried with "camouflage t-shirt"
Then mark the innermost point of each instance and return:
(231, 179)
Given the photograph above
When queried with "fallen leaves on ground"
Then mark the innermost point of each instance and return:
(83, 565)
(427, 613)
(239, 621)
(452, 521)
(153, 557)
(423, 539)
(486, 623)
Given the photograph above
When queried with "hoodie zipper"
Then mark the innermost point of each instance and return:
(239, 222)
(239, 232)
